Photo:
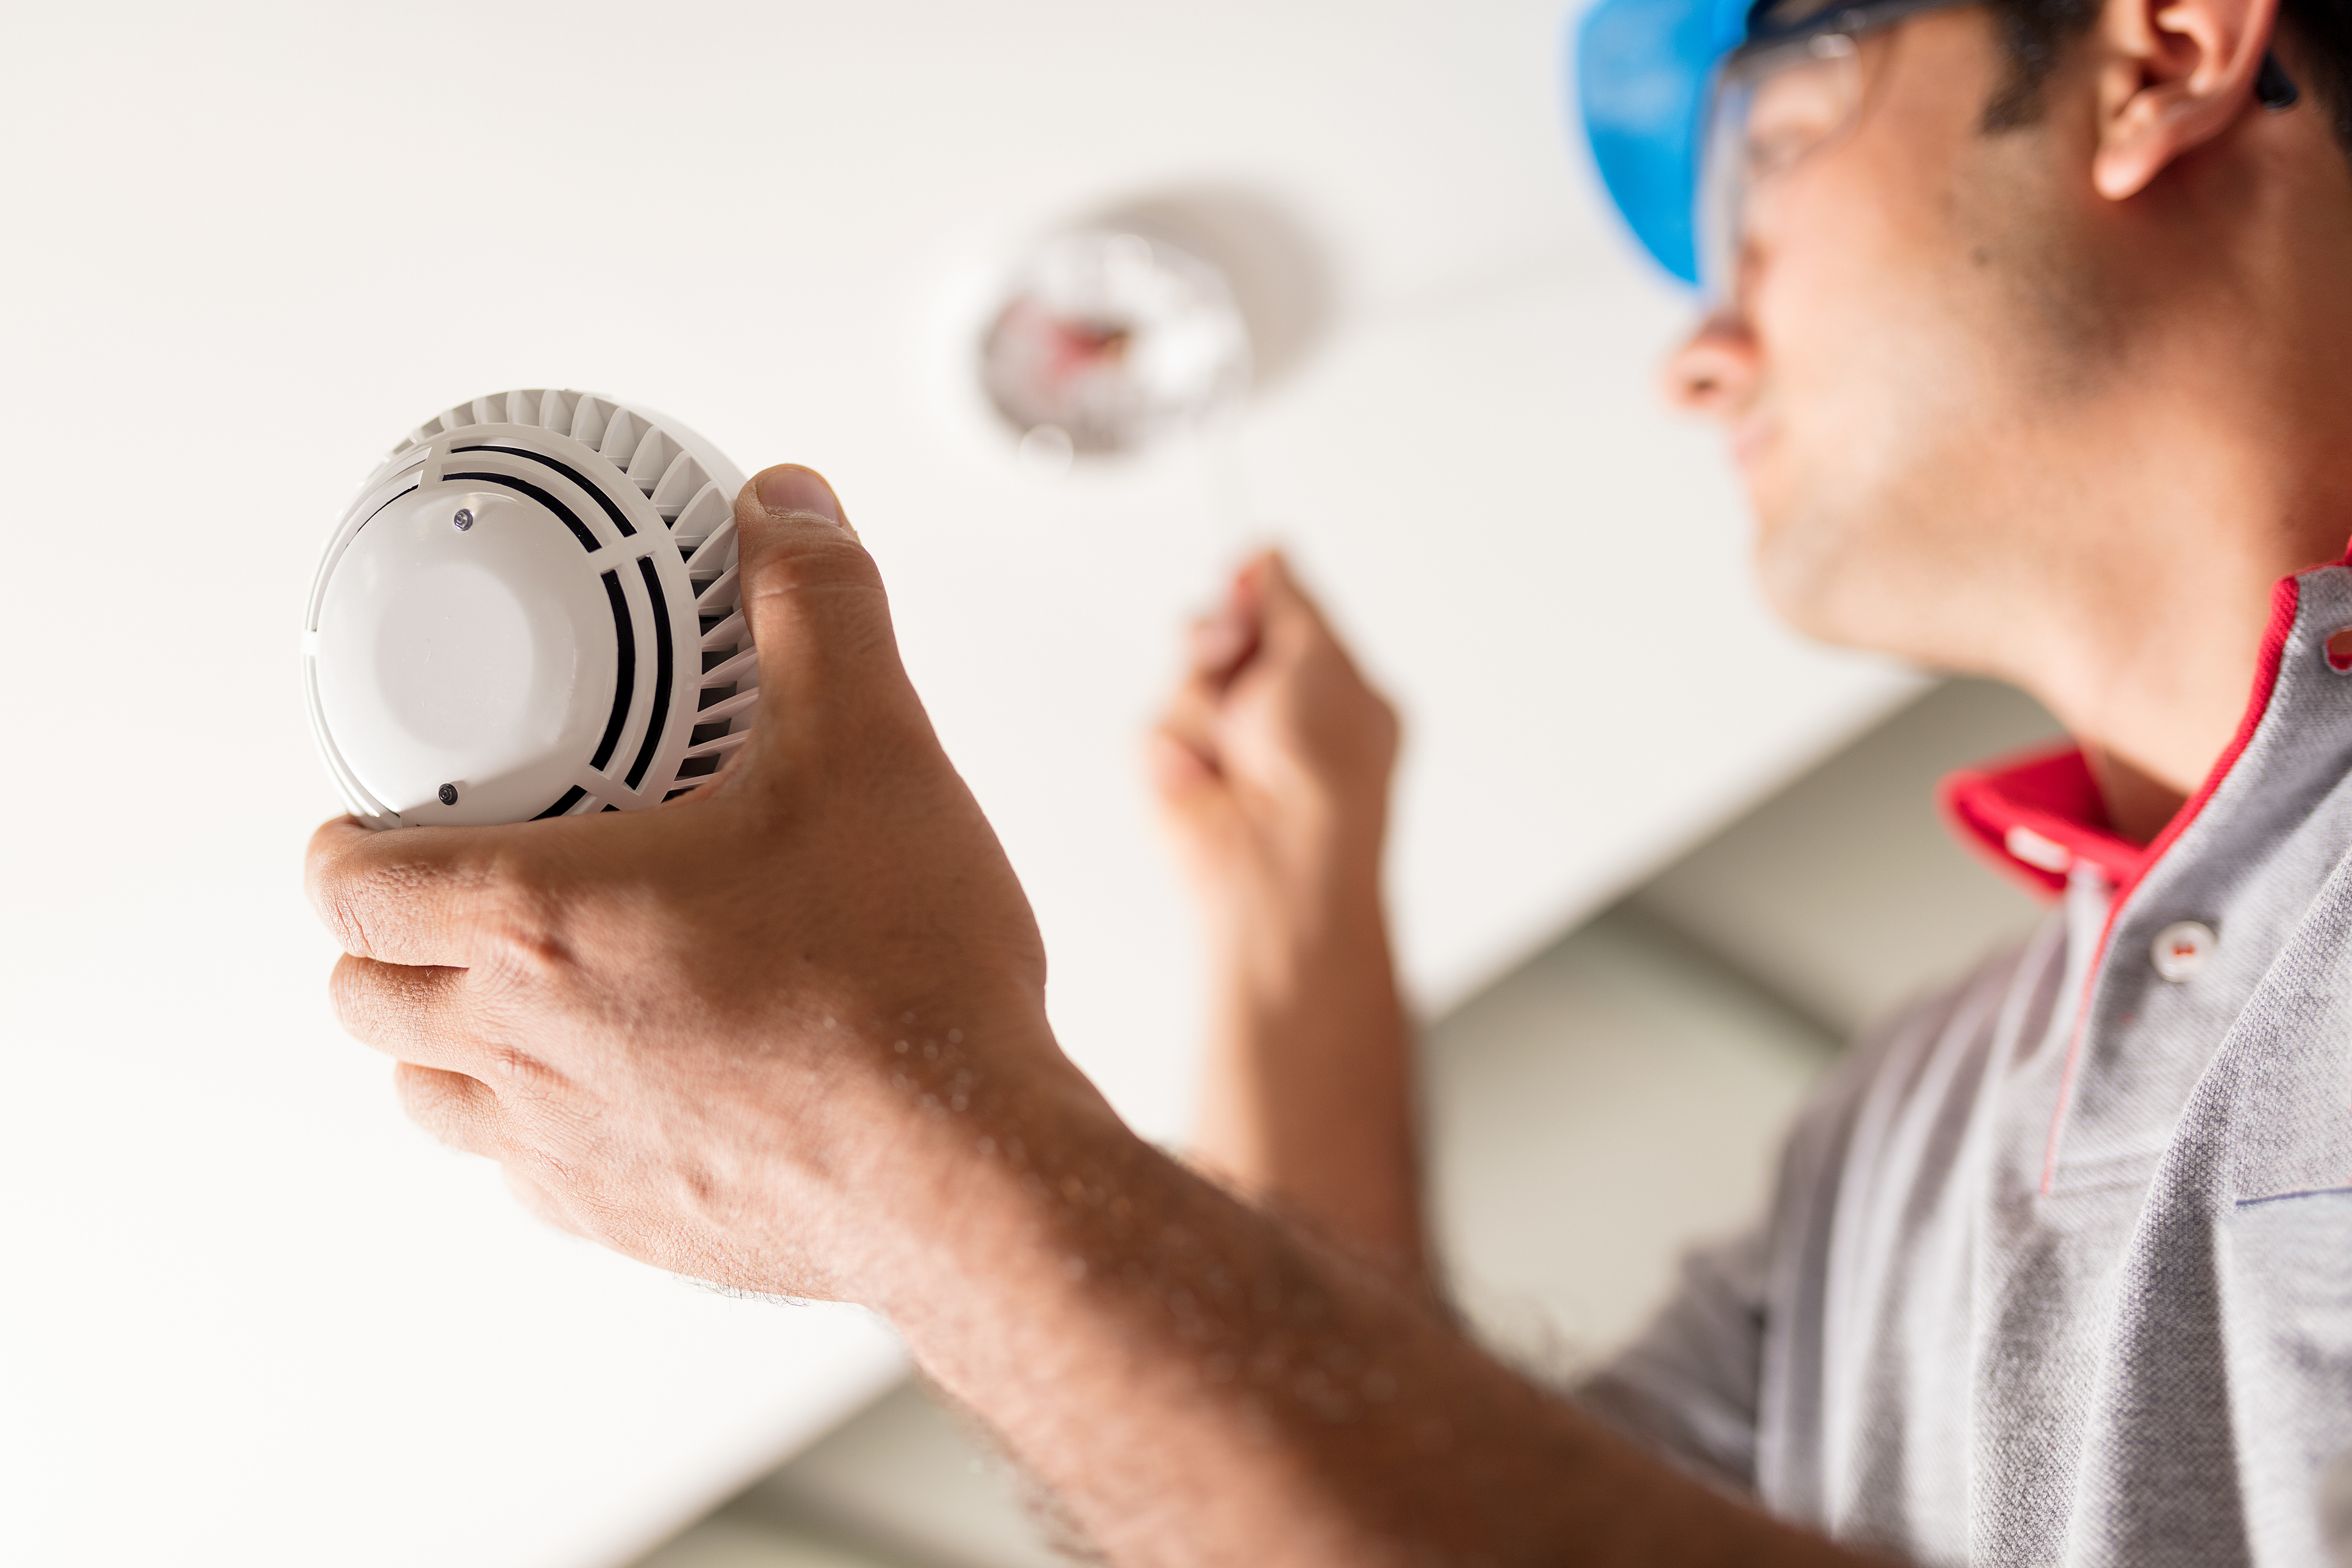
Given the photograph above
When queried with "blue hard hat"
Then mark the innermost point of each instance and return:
(1642, 70)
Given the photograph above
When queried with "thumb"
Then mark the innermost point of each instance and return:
(790, 490)
(816, 608)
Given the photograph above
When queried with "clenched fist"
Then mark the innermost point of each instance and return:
(1272, 760)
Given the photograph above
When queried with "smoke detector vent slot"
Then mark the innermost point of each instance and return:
(624, 679)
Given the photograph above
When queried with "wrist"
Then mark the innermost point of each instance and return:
(953, 1148)
(1275, 939)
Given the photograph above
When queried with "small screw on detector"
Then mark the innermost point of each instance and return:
(464, 520)
(449, 791)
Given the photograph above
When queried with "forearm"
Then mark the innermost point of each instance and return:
(1201, 1385)
(1307, 1081)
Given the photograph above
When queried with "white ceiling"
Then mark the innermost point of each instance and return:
(252, 1317)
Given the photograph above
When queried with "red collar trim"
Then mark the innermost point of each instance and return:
(2038, 815)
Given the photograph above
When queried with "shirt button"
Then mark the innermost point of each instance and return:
(2182, 948)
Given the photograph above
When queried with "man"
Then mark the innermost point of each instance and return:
(2030, 327)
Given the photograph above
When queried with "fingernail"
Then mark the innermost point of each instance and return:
(790, 488)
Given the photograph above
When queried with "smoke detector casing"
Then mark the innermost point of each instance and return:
(530, 611)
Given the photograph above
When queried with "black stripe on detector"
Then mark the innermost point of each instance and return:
(620, 518)
(571, 798)
(624, 684)
(570, 519)
(664, 663)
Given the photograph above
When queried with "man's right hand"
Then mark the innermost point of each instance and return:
(1272, 764)
(1273, 757)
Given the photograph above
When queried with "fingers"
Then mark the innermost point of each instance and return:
(1184, 751)
(1265, 620)
(1182, 754)
(1177, 769)
(1266, 615)
(814, 605)
(1297, 631)
(1290, 618)
(463, 1115)
(411, 895)
(416, 1013)
(456, 1109)
(1225, 639)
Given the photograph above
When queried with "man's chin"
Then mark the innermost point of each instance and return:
(1802, 566)
(1808, 555)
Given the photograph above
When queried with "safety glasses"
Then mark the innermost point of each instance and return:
(1795, 89)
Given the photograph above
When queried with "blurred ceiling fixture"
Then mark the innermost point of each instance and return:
(1108, 337)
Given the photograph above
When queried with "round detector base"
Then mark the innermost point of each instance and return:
(530, 611)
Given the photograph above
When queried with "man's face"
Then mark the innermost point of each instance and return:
(1905, 344)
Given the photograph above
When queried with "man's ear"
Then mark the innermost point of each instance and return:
(2173, 75)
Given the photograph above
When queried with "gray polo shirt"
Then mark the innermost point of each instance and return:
(2058, 1266)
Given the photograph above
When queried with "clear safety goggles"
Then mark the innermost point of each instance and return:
(1796, 87)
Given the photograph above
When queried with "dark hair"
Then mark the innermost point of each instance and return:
(2033, 33)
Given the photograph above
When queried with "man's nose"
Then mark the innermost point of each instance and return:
(1716, 368)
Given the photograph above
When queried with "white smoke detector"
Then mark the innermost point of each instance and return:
(530, 611)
